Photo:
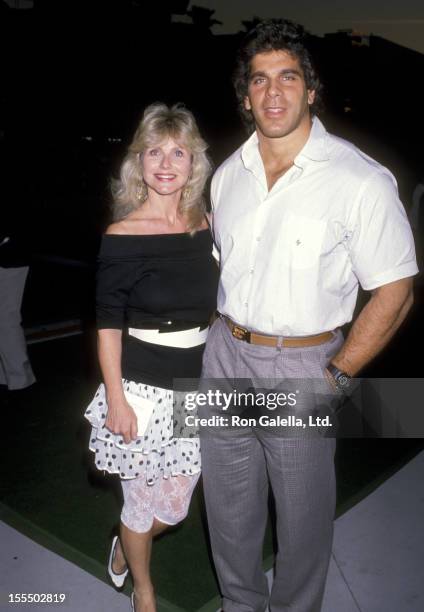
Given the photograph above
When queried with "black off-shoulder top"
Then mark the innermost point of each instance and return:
(166, 281)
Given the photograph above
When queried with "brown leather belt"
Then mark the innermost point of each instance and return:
(241, 333)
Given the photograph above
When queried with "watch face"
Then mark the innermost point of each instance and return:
(343, 380)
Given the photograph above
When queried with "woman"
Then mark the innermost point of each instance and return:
(156, 289)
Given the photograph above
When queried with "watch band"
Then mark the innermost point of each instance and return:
(342, 379)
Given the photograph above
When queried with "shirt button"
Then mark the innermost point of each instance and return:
(258, 238)
(245, 303)
(251, 271)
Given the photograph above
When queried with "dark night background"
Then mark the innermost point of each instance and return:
(76, 77)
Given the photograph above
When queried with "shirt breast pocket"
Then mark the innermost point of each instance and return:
(301, 242)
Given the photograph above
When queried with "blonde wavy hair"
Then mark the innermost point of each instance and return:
(158, 123)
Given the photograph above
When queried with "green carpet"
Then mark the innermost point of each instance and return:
(50, 490)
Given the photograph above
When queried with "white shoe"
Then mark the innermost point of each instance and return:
(117, 579)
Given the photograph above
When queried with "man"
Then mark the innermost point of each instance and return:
(300, 218)
(15, 368)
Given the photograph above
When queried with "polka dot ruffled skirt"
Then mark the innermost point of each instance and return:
(157, 454)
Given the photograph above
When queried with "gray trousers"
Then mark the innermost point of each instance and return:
(237, 470)
(15, 369)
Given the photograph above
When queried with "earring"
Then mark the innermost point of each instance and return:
(141, 191)
(186, 193)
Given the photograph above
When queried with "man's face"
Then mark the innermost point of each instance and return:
(277, 94)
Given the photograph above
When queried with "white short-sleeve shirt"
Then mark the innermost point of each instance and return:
(291, 258)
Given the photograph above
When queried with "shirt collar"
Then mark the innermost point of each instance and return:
(315, 148)
(250, 153)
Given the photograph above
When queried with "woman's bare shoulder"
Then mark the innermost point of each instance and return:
(116, 228)
(129, 226)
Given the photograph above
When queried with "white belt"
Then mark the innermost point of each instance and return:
(185, 338)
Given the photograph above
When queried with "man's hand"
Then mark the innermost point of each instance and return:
(375, 325)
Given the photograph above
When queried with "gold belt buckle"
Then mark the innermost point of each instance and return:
(241, 333)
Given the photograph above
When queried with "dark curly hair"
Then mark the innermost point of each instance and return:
(274, 35)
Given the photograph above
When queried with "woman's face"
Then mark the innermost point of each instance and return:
(166, 167)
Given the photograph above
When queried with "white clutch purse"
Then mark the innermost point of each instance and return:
(143, 409)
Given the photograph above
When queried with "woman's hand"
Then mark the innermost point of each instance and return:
(121, 419)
